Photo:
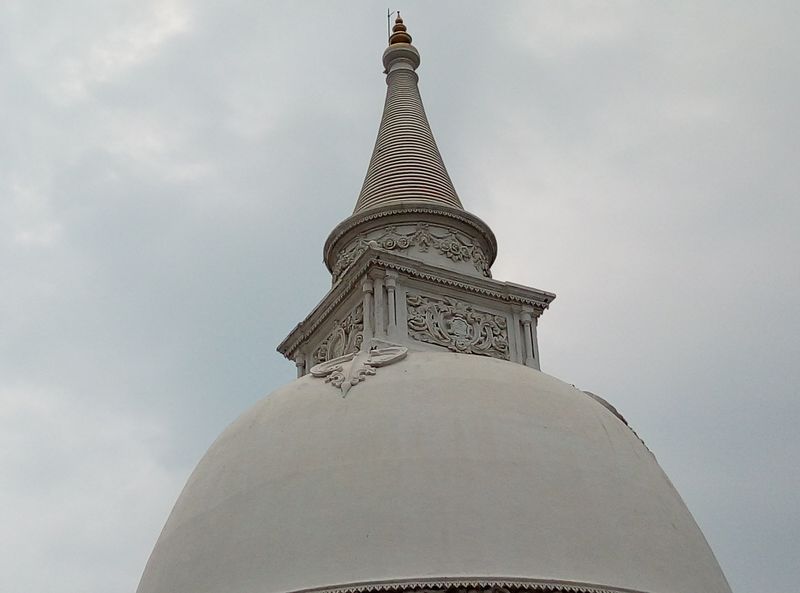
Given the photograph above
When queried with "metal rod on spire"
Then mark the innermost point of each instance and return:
(389, 13)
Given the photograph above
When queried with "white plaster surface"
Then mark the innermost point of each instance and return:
(440, 465)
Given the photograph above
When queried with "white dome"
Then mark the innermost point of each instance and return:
(441, 468)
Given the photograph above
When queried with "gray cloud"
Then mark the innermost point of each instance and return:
(164, 164)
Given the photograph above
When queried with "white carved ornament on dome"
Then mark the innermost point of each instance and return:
(350, 369)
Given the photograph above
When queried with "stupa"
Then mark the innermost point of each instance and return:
(421, 448)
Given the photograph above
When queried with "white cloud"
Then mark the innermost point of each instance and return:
(550, 29)
(81, 481)
(28, 216)
(123, 45)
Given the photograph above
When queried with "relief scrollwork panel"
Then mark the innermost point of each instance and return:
(451, 244)
(345, 337)
(457, 325)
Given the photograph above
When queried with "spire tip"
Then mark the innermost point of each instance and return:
(399, 32)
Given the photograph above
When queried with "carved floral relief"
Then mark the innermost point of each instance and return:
(449, 243)
(351, 369)
(457, 325)
(345, 338)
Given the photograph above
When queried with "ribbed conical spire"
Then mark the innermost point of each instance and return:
(406, 165)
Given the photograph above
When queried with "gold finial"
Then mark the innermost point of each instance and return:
(399, 32)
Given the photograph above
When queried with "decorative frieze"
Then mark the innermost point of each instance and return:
(453, 245)
(346, 371)
(345, 338)
(473, 586)
(457, 325)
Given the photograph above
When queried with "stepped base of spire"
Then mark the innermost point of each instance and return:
(402, 301)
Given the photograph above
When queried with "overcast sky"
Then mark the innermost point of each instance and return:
(169, 171)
